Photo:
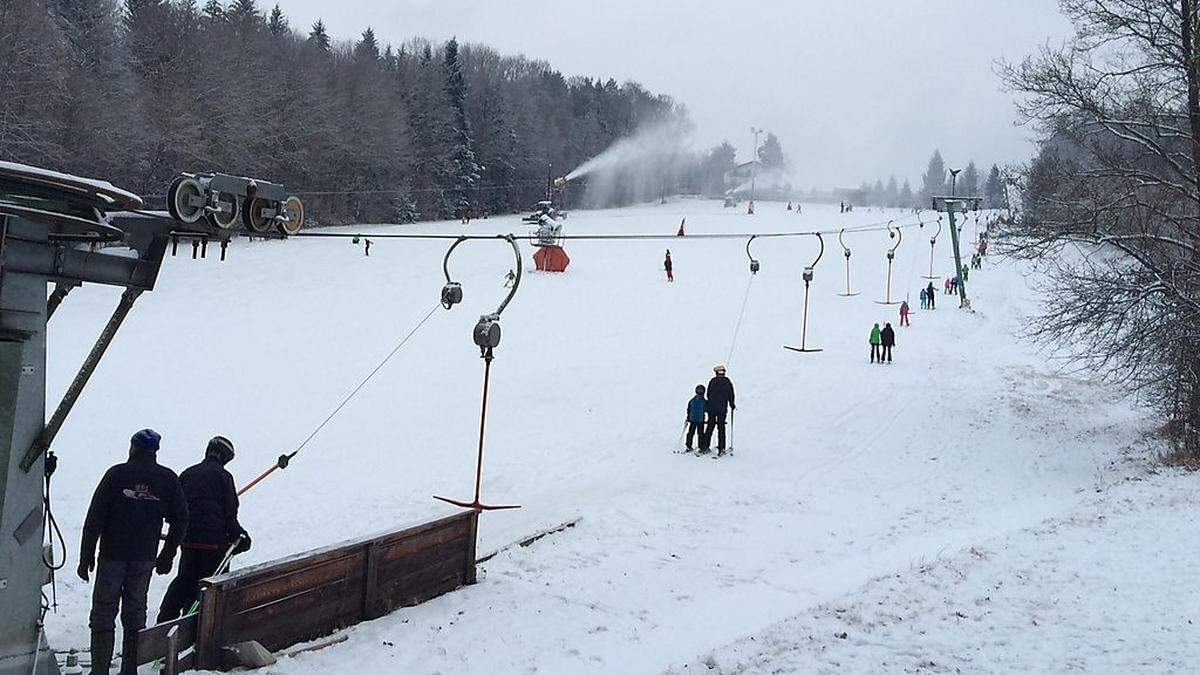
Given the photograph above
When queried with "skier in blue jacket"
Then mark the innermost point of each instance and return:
(695, 419)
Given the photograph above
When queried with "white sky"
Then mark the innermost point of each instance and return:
(855, 89)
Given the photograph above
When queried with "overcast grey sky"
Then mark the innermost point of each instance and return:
(855, 89)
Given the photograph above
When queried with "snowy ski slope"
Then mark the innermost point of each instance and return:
(844, 471)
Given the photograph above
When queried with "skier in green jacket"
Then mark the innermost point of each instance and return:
(876, 339)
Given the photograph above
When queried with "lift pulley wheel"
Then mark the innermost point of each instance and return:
(452, 294)
(186, 200)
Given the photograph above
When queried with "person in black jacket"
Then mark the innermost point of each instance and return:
(720, 400)
(126, 517)
(213, 504)
(887, 340)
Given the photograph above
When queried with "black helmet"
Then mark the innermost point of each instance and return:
(700, 389)
(220, 449)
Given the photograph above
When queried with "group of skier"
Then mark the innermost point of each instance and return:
(707, 412)
(125, 520)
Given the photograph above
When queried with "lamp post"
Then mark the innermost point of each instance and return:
(753, 167)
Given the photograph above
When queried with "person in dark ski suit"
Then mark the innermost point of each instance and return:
(695, 419)
(669, 267)
(887, 340)
(126, 517)
(720, 401)
(931, 296)
(213, 526)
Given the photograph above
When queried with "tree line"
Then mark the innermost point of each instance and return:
(138, 91)
(935, 181)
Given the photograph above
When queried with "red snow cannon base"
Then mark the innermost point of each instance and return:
(551, 259)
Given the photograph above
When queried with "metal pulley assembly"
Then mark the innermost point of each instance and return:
(846, 253)
(223, 200)
(451, 294)
(891, 256)
(487, 331)
(754, 266)
(807, 274)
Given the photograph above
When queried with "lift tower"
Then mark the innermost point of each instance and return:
(54, 229)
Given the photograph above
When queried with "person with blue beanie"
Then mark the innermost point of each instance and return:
(125, 518)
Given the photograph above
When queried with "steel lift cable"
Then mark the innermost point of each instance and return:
(284, 459)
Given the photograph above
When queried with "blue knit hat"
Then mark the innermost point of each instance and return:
(146, 439)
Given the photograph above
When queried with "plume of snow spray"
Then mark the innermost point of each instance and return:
(638, 166)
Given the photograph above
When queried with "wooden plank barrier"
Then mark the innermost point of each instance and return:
(310, 595)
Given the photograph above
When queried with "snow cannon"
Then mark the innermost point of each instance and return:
(223, 200)
(560, 182)
(547, 239)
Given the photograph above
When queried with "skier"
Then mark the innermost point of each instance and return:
(789, 206)
(683, 222)
(931, 296)
(126, 517)
(367, 247)
(966, 273)
(887, 338)
(875, 340)
(510, 279)
(695, 420)
(924, 300)
(213, 526)
(669, 267)
(947, 285)
(720, 401)
(904, 314)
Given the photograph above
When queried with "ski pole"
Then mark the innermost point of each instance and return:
(221, 568)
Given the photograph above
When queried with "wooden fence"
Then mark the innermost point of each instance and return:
(310, 595)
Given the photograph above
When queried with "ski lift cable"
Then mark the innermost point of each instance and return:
(284, 459)
(871, 227)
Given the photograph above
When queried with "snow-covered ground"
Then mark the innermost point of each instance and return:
(968, 463)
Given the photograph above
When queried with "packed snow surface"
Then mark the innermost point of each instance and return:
(856, 489)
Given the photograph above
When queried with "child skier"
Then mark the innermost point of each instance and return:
(966, 273)
(695, 419)
(948, 286)
(510, 279)
(875, 339)
(904, 313)
(924, 300)
(669, 267)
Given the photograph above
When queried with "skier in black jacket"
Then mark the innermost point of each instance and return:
(887, 340)
(720, 398)
(126, 517)
(213, 504)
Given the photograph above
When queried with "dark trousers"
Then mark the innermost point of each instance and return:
(696, 430)
(124, 585)
(715, 420)
(885, 353)
(194, 565)
(875, 354)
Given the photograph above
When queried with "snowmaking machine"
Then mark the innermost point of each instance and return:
(223, 200)
(547, 238)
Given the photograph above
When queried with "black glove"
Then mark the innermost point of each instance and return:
(85, 566)
(243, 543)
(164, 563)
